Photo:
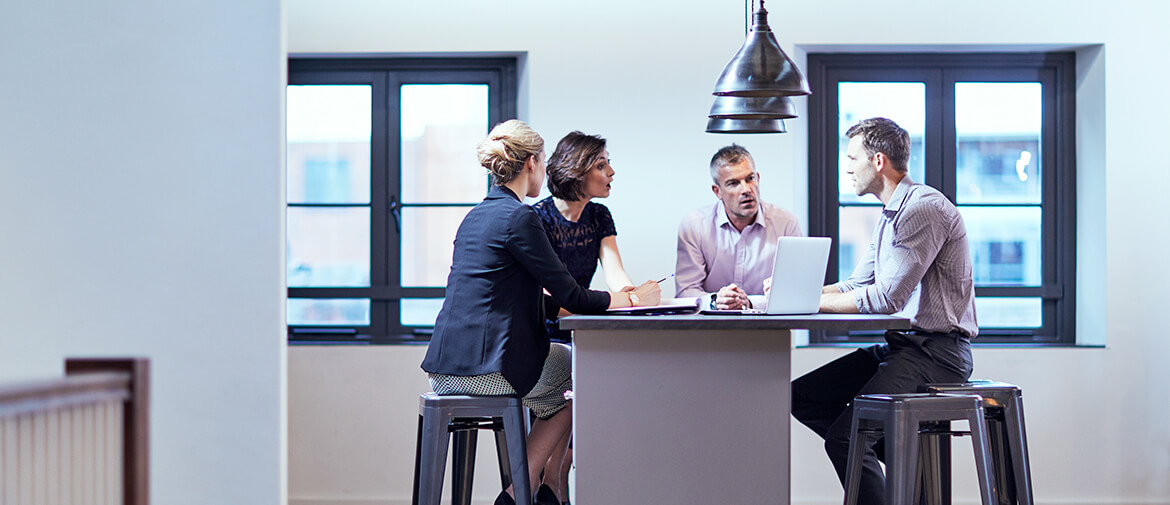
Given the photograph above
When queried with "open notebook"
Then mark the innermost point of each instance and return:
(666, 306)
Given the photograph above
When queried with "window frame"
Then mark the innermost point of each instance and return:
(939, 71)
(386, 76)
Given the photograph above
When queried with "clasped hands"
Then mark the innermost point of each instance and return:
(732, 297)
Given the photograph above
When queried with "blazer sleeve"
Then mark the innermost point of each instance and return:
(528, 243)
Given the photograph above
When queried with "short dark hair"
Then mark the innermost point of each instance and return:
(881, 135)
(729, 155)
(573, 158)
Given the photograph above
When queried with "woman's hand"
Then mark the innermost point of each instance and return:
(648, 294)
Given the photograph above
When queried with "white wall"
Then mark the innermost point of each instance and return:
(640, 73)
(141, 213)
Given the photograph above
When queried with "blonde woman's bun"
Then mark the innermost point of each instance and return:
(506, 148)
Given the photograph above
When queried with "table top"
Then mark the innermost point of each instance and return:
(746, 322)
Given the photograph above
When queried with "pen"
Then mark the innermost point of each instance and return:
(659, 281)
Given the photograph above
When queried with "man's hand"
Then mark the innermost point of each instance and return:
(732, 297)
(767, 287)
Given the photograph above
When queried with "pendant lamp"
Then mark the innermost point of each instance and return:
(718, 125)
(752, 94)
(739, 114)
(761, 68)
(752, 107)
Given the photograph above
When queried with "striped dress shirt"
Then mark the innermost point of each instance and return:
(918, 264)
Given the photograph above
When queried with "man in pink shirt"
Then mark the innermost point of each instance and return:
(726, 249)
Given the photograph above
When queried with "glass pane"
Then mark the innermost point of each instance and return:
(428, 242)
(328, 246)
(854, 232)
(1008, 312)
(997, 127)
(1005, 244)
(328, 312)
(902, 102)
(441, 124)
(329, 144)
(420, 311)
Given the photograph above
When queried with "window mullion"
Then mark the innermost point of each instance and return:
(379, 238)
(391, 209)
(942, 174)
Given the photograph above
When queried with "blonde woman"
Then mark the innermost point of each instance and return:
(489, 338)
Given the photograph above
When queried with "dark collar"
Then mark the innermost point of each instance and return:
(498, 192)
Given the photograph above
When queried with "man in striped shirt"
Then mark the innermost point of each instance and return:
(918, 266)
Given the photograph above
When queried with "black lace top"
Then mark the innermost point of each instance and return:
(578, 245)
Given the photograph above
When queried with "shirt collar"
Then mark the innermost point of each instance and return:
(721, 216)
(900, 194)
(497, 192)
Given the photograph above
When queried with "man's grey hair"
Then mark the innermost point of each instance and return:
(729, 155)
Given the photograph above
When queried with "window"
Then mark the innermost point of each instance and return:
(994, 133)
(381, 170)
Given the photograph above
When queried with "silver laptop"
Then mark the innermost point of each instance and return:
(798, 275)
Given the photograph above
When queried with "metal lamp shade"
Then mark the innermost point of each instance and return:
(720, 125)
(761, 68)
(752, 107)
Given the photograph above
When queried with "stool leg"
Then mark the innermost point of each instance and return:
(934, 463)
(502, 455)
(418, 438)
(1001, 457)
(463, 466)
(858, 440)
(517, 444)
(901, 458)
(979, 441)
(1018, 445)
(431, 459)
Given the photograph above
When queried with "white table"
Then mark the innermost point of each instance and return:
(687, 409)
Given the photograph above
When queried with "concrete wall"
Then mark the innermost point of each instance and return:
(141, 213)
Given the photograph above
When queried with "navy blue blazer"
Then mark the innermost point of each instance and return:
(493, 317)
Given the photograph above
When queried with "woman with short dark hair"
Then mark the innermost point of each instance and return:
(581, 231)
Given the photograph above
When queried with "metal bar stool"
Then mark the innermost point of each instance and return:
(440, 416)
(899, 418)
(1003, 407)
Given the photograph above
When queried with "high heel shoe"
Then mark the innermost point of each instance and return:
(505, 499)
(546, 496)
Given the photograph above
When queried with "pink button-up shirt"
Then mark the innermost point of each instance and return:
(713, 254)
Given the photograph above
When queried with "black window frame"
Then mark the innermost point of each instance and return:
(385, 76)
(939, 71)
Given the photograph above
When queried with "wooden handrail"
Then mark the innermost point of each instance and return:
(53, 394)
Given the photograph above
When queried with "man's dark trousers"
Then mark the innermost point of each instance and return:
(823, 399)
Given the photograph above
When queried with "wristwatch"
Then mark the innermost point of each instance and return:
(634, 301)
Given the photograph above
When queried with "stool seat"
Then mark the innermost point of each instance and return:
(439, 416)
(899, 419)
(1003, 406)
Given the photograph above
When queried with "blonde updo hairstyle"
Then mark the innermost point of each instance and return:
(506, 148)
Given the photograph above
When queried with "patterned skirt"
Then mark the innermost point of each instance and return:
(545, 399)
